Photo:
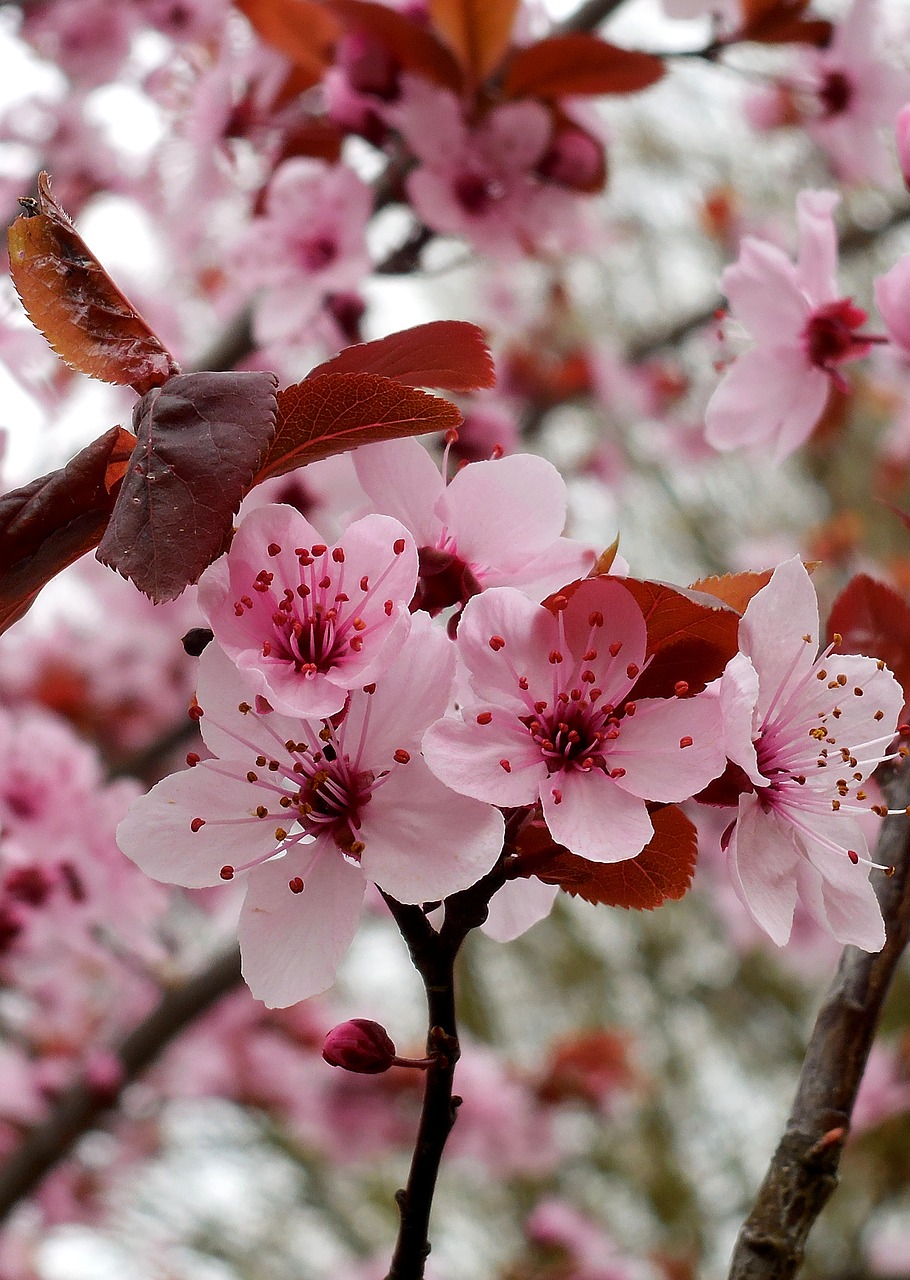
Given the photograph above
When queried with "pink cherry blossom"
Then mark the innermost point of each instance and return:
(498, 523)
(807, 731)
(483, 181)
(902, 134)
(774, 394)
(892, 296)
(304, 621)
(312, 810)
(552, 720)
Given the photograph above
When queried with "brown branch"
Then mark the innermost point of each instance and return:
(803, 1171)
(589, 16)
(77, 1110)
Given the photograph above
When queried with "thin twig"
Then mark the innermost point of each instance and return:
(75, 1112)
(803, 1171)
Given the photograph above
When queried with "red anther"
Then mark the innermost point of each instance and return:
(274, 549)
(617, 773)
(266, 648)
(325, 583)
(244, 708)
(720, 313)
(370, 688)
(365, 583)
(632, 670)
(904, 730)
(238, 610)
(338, 555)
(226, 873)
(681, 688)
(401, 756)
(630, 708)
(398, 546)
(523, 683)
(497, 643)
(359, 625)
(590, 655)
(615, 648)
(555, 657)
(387, 607)
(504, 764)
(686, 741)
(319, 549)
(197, 824)
(303, 591)
(497, 452)
(192, 758)
(356, 644)
(540, 707)
(588, 677)
(595, 618)
(557, 796)
(853, 856)
(247, 601)
(559, 603)
(485, 717)
(194, 710)
(296, 885)
(889, 871)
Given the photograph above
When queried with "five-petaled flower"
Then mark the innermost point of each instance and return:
(807, 730)
(304, 621)
(553, 719)
(312, 810)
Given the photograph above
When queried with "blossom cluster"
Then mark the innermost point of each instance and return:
(390, 709)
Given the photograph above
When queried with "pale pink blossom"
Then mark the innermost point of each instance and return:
(552, 719)
(807, 730)
(892, 297)
(774, 394)
(312, 810)
(304, 621)
(497, 523)
(483, 181)
(902, 136)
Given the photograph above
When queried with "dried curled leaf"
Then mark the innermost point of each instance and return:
(52, 521)
(335, 412)
(662, 871)
(449, 355)
(577, 65)
(199, 441)
(69, 296)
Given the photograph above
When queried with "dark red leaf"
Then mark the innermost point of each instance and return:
(54, 520)
(477, 30)
(782, 22)
(575, 65)
(414, 47)
(661, 872)
(200, 439)
(76, 305)
(302, 30)
(691, 637)
(589, 1066)
(873, 619)
(450, 355)
(338, 411)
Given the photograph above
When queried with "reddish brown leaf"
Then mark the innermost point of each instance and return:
(734, 589)
(604, 562)
(415, 48)
(200, 439)
(338, 411)
(76, 305)
(590, 1066)
(873, 619)
(691, 636)
(302, 30)
(477, 30)
(782, 22)
(54, 520)
(661, 872)
(575, 65)
(447, 354)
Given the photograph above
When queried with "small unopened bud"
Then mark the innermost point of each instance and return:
(902, 130)
(359, 1045)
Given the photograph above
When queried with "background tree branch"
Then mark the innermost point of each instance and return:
(803, 1171)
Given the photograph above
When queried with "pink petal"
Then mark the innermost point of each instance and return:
(764, 293)
(892, 296)
(293, 943)
(403, 481)
(649, 747)
(220, 691)
(595, 818)
(515, 136)
(772, 633)
(425, 842)
(769, 396)
(838, 893)
(529, 632)
(564, 562)
(517, 906)
(468, 756)
(817, 259)
(763, 863)
(738, 700)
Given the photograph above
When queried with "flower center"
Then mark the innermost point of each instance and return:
(573, 734)
(830, 335)
(476, 193)
(317, 253)
(835, 93)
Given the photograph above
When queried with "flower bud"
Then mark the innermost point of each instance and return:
(359, 1045)
(902, 130)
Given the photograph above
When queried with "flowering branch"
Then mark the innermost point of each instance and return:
(76, 1110)
(434, 956)
(803, 1171)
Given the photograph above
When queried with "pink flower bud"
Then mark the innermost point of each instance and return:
(359, 1045)
(902, 130)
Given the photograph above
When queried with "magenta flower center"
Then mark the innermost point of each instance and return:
(835, 93)
(830, 335)
(317, 253)
(477, 193)
(574, 733)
